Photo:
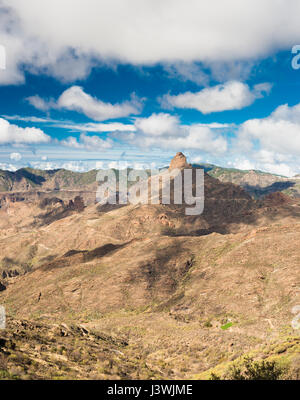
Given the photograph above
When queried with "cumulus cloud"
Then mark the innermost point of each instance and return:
(13, 134)
(159, 125)
(41, 104)
(232, 95)
(269, 144)
(272, 144)
(75, 99)
(166, 132)
(15, 156)
(26, 51)
(266, 161)
(65, 39)
(280, 132)
(92, 143)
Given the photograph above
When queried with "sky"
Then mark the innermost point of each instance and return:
(105, 83)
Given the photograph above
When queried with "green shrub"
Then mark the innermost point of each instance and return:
(226, 326)
(252, 370)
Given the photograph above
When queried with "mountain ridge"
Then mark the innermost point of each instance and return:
(257, 183)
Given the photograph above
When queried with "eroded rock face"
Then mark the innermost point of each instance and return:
(179, 161)
(276, 199)
(10, 274)
(77, 204)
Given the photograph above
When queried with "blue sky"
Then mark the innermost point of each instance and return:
(89, 84)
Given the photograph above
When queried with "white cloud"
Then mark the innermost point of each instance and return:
(242, 164)
(280, 169)
(92, 143)
(41, 104)
(77, 166)
(231, 70)
(165, 131)
(217, 125)
(26, 51)
(13, 134)
(282, 136)
(232, 95)
(284, 112)
(158, 125)
(272, 144)
(85, 165)
(75, 99)
(280, 132)
(187, 71)
(272, 165)
(99, 165)
(15, 156)
(203, 72)
(30, 119)
(98, 127)
(8, 167)
(75, 127)
(197, 160)
(206, 139)
(65, 39)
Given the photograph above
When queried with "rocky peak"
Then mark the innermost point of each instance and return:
(179, 161)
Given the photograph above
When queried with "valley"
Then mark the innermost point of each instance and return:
(145, 291)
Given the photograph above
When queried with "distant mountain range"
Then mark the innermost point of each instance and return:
(256, 183)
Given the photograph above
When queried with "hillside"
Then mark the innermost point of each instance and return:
(256, 183)
(146, 291)
(28, 179)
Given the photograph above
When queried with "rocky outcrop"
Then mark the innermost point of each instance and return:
(77, 204)
(277, 199)
(179, 161)
(50, 201)
(10, 274)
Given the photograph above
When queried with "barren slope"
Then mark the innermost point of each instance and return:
(188, 295)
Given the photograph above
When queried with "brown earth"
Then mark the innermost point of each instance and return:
(148, 292)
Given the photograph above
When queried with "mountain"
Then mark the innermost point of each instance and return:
(146, 291)
(256, 183)
(29, 181)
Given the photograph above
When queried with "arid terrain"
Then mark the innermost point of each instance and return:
(145, 291)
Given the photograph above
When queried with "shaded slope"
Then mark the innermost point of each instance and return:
(148, 275)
